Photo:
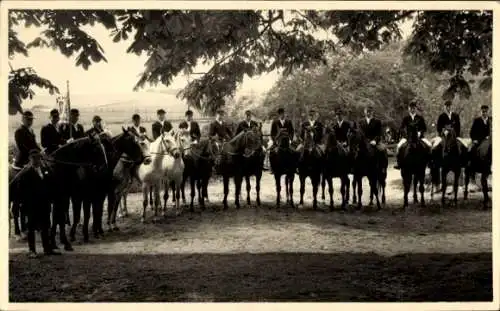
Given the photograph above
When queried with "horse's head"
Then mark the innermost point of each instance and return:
(331, 138)
(389, 134)
(89, 150)
(450, 143)
(283, 139)
(168, 144)
(184, 140)
(247, 142)
(309, 142)
(129, 143)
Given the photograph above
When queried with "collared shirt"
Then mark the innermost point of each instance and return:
(220, 122)
(485, 120)
(413, 116)
(449, 115)
(137, 128)
(340, 122)
(282, 121)
(368, 120)
(312, 122)
(249, 123)
(189, 125)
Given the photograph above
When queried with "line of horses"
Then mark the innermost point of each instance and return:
(88, 170)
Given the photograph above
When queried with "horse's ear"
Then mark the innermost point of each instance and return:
(124, 129)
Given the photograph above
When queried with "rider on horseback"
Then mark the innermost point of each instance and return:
(50, 134)
(372, 129)
(219, 129)
(314, 125)
(411, 120)
(278, 125)
(480, 131)
(447, 119)
(25, 140)
(341, 127)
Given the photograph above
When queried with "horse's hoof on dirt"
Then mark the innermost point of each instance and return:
(86, 240)
(116, 229)
(68, 248)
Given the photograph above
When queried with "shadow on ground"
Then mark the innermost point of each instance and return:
(251, 277)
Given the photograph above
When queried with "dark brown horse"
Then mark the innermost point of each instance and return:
(230, 161)
(449, 156)
(283, 160)
(199, 160)
(63, 166)
(480, 162)
(98, 186)
(365, 163)
(337, 164)
(310, 165)
(414, 158)
(253, 162)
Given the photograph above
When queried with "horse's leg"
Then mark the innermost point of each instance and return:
(484, 188)
(323, 184)
(287, 189)
(290, 179)
(277, 180)
(347, 186)
(374, 189)
(415, 186)
(444, 185)
(157, 197)
(16, 211)
(258, 177)
(421, 179)
(165, 194)
(315, 185)
(177, 188)
(249, 187)
(238, 180)
(354, 198)
(151, 197)
(456, 179)
(86, 219)
(330, 190)
(145, 192)
(172, 186)
(359, 181)
(382, 184)
(302, 180)
(182, 188)
(225, 181)
(406, 187)
(192, 183)
(344, 188)
(466, 182)
(76, 220)
(62, 229)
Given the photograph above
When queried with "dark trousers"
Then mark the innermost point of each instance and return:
(38, 220)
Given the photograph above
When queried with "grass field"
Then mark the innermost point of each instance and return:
(264, 254)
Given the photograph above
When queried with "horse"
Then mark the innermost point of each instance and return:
(99, 185)
(479, 162)
(62, 166)
(414, 158)
(310, 165)
(283, 160)
(365, 163)
(449, 156)
(175, 171)
(230, 160)
(336, 165)
(199, 160)
(253, 163)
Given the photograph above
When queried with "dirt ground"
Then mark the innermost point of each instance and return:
(264, 254)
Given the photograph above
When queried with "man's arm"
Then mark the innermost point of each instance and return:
(168, 126)
(440, 125)
(459, 127)
(44, 139)
(473, 130)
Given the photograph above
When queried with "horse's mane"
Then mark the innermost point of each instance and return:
(77, 143)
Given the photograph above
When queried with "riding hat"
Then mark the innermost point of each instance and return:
(160, 111)
(484, 107)
(28, 114)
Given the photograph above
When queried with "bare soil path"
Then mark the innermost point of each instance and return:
(261, 254)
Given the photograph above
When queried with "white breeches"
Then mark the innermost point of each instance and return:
(269, 143)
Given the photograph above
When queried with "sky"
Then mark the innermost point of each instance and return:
(120, 73)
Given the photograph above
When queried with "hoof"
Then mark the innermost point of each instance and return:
(115, 228)
(68, 248)
(86, 240)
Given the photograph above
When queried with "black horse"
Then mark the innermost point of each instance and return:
(449, 156)
(480, 162)
(99, 185)
(199, 160)
(62, 166)
(365, 163)
(414, 157)
(283, 160)
(253, 162)
(310, 165)
(337, 164)
(231, 159)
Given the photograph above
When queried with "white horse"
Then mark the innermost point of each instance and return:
(165, 155)
(175, 170)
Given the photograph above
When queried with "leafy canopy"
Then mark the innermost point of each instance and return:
(248, 43)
